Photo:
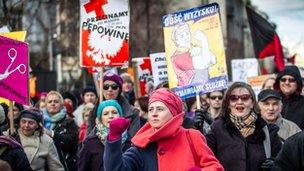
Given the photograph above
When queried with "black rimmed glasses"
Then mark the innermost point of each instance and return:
(216, 97)
(113, 86)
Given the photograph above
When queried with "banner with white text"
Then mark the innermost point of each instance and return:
(104, 33)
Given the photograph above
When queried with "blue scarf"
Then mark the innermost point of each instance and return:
(51, 120)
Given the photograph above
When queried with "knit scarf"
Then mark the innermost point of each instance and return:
(102, 133)
(246, 124)
(51, 120)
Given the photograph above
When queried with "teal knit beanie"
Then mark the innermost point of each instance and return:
(107, 103)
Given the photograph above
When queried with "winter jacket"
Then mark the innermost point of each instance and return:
(287, 128)
(166, 149)
(237, 153)
(12, 152)
(78, 115)
(90, 156)
(41, 152)
(66, 141)
(293, 108)
(291, 157)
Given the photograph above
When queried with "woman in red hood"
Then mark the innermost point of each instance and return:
(162, 143)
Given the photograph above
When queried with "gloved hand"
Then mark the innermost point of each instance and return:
(199, 118)
(268, 164)
(116, 127)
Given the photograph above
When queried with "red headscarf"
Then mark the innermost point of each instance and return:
(170, 99)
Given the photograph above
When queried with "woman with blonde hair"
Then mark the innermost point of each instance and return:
(62, 129)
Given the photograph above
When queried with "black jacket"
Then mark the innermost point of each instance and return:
(291, 157)
(293, 109)
(237, 153)
(66, 142)
(90, 156)
(12, 152)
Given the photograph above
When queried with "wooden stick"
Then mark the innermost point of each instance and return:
(11, 117)
(198, 101)
(101, 85)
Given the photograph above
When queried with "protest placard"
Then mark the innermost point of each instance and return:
(244, 68)
(143, 74)
(14, 70)
(195, 51)
(104, 32)
(17, 35)
(159, 68)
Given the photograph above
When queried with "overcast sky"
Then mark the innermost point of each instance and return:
(288, 16)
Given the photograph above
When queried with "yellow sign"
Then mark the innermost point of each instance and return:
(195, 51)
(4, 100)
(17, 35)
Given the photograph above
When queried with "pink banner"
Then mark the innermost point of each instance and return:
(14, 70)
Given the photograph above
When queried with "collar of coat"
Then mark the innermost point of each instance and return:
(147, 134)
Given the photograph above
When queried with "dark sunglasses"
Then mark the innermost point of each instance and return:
(291, 80)
(244, 97)
(113, 86)
(214, 97)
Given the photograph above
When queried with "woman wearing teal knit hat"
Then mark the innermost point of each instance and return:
(91, 153)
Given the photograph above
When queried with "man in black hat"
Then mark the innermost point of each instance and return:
(289, 84)
(270, 102)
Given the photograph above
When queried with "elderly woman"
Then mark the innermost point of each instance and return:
(240, 138)
(162, 143)
(62, 129)
(38, 147)
(90, 155)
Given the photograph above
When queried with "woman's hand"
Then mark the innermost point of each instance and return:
(116, 127)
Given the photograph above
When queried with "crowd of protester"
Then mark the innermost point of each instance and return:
(233, 129)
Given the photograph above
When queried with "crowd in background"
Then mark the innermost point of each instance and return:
(232, 129)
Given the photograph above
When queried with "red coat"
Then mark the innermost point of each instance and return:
(173, 150)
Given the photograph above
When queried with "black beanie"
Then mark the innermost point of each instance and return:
(89, 89)
(32, 113)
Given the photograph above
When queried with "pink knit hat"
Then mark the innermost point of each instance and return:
(170, 99)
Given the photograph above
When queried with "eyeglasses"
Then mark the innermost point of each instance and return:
(244, 97)
(113, 86)
(291, 80)
(216, 97)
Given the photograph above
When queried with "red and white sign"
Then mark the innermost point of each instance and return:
(143, 72)
(104, 32)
